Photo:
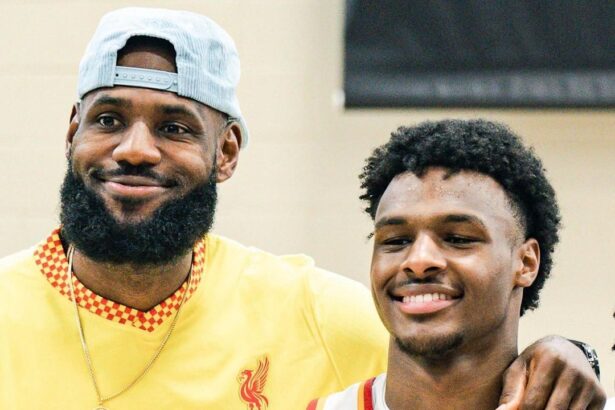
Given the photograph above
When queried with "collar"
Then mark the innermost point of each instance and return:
(53, 264)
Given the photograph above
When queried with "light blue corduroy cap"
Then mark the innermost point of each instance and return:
(206, 58)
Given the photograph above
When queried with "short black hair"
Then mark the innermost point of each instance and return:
(148, 43)
(482, 146)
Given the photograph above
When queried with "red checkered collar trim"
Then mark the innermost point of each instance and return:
(51, 260)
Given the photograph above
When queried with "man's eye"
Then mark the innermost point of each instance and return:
(173, 129)
(108, 121)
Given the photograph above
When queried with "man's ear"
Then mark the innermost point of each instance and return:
(528, 262)
(227, 153)
(73, 126)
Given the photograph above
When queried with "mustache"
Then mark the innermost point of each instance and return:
(133, 170)
(414, 281)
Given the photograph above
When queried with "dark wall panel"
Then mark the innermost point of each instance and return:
(480, 53)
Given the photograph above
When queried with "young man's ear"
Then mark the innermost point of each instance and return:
(73, 126)
(528, 262)
(227, 153)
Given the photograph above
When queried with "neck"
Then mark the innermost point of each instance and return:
(457, 380)
(137, 286)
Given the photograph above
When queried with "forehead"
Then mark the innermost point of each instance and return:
(140, 99)
(436, 193)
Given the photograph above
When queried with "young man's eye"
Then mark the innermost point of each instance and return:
(459, 240)
(395, 243)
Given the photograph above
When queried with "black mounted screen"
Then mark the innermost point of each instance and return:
(477, 53)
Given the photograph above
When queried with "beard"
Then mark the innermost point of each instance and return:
(169, 233)
(432, 349)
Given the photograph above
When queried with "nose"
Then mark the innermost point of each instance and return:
(424, 258)
(137, 147)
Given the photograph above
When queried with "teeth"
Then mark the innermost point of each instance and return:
(428, 297)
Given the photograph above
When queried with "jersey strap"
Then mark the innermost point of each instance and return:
(364, 395)
(363, 398)
(316, 404)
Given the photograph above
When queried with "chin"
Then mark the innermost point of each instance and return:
(429, 346)
(132, 211)
(131, 219)
(131, 216)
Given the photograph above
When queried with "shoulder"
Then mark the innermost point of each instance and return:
(17, 264)
(20, 278)
(328, 293)
(30, 263)
(220, 249)
(357, 396)
(250, 262)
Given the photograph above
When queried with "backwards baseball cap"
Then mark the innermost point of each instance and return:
(206, 58)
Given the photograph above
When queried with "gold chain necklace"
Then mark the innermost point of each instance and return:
(86, 352)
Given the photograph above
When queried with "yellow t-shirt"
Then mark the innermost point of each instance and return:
(256, 332)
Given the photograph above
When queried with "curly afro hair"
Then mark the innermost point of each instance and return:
(481, 146)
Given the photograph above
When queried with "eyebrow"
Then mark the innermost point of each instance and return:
(389, 221)
(464, 218)
(453, 218)
(178, 109)
(105, 99)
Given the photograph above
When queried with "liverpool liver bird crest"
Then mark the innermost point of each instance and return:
(252, 384)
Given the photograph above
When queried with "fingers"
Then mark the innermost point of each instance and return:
(563, 391)
(598, 403)
(560, 381)
(588, 397)
(542, 378)
(514, 380)
(558, 377)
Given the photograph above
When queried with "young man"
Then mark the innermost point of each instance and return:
(132, 303)
(465, 223)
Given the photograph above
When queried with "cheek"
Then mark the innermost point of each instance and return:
(190, 159)
(383, 269)
(90, 149)
(491, 283)
(85, 156)
(381, 301)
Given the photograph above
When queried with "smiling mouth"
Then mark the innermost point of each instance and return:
(133, 188)
(425, 299)
(424, 304)
(429, 297)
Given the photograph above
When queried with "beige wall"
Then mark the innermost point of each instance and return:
(296, 188)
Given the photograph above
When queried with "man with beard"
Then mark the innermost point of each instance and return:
(465, 224)
(131, 303)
